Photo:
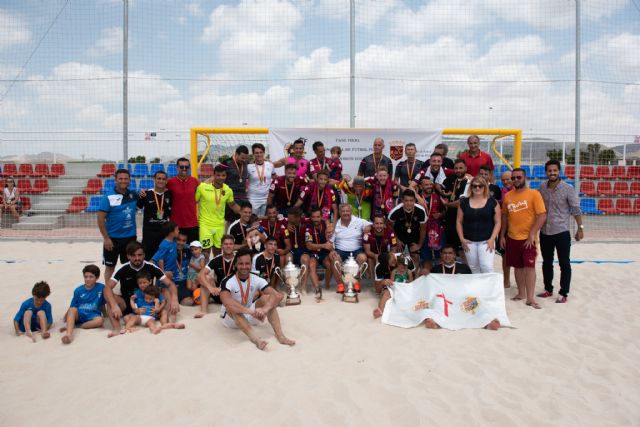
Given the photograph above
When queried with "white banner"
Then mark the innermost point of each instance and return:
(453, 301)
(355, 143)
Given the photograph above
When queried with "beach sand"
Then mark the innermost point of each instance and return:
(572, 364)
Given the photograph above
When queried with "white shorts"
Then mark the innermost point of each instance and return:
(228, 321)
(144, 319)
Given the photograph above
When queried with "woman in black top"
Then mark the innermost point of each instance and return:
(478, 225)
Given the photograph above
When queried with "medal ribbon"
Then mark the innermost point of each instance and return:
(286, 189)
(217, 195)
(260, 173)
(239, 169)
(160, 205)
(224, 265)
(266, 266)
(244, 294)
(453, 269)
(410, 172)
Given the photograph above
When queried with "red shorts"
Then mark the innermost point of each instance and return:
(518, 256)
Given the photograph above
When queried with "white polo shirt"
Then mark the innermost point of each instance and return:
(349, 238)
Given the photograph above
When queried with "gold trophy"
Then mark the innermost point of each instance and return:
(349, 270)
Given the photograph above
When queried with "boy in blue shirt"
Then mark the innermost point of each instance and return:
(166, 257)
(35, 313)
(87, 306)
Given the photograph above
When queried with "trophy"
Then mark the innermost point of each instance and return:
(349, 270)
(291, 280)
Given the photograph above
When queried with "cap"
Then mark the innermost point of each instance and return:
(195, 244)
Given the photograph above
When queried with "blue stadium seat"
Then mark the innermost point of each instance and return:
(538, 172)
(155, 167)
(527, 169)
(109, 185)
(94, 204)
(588, 207)
(172, 170)
(121, 166)
(571, 183)
(534, 185)
(145, 184)
(140, 170)
(133, 186)
(503, 168)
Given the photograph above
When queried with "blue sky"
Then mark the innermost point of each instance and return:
(430, 64)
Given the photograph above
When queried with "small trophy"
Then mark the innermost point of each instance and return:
(291, 280)
(349, 270)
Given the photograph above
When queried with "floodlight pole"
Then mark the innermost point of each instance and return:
(125, 81)
(352, 66)
(577, 101)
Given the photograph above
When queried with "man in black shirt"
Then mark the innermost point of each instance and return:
(408, 169)
(265, 263)
(454, 188)
(486, 173)
(156, 203)
(222, 266)
(126, 276)
(370, 165)
(443, 149)
(237, 175)
(409, 222)
(240, 228)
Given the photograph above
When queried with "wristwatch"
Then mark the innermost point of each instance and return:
(581, 227)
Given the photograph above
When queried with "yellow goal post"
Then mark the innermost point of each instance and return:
(497, 134)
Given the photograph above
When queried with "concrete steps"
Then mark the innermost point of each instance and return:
(38, 222)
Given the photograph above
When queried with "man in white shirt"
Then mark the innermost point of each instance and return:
(348, 241)
(259, 178)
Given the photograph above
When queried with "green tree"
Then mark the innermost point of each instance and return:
(555, 154)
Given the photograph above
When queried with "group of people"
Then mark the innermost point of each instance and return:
(222, 240)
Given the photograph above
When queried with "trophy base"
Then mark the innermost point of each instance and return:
(293, 301)
(349, 298)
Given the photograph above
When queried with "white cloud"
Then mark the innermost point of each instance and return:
(110, 42)
(253, 37)
(614, 54)
(194, 9)
(14, 30)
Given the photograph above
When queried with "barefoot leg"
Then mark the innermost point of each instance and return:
(204, 302)
(244, 325)
(494, 325)
(386, 295)
(431, 324)
(274, 320)
(26, 321)
(44, 325)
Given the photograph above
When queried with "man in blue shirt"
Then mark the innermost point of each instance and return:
(117, 221)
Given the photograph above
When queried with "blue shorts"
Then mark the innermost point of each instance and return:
(297, 254)
(183, 292)
(85, 316)
(345, 254)
(35, 325)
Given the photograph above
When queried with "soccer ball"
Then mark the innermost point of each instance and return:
(196, 296)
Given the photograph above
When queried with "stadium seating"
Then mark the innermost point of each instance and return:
(604, 188)
(26, 204)
(24, 186)
(172, 170)
(133, 185)
(621, 188)
(534, 185)
(42, 170)
(588, 207)
(78, 204)
(57, 169)
(94, 204)
(109, 184)
(587, 172)
(41, 185)
(10, 169)
(121, 166)
(570, 171)
(634, 188)
(140, 170)
(107, 170)
(538, 172)
(636, 206)
(145, 184)
(633, 172)
(588, 188)
(624, 207)
(606, 206)
(155, 167)
(603, 172)
(94, 186)
(619, 172)
(206, 170)
(25, 169)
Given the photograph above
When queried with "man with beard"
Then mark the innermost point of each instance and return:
(381, 239)
(319, 194)
(274, 227)
(453, 188)
(522, 217)
(320, 162)
(474, 157)
(318, 248)
(285, 190)
(236, 179)
(409, 222)
(432, 170)
(371, 164)
(183, 203)
(507, 185)
(561, 202)
(385, 192)
(156, 203)
(408, 169)
(222, 266)
(434, 240)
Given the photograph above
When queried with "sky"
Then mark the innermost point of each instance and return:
(419, 64)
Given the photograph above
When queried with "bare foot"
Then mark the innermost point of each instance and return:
(285, 341)
(63, 329)
(115, 333)
(46, 334)
(29, 335)
(156, 331)
(534, 305)
(173, 326)
(507, 285)
(199, 315)
(517, 298)
(431, 324)
(67, 339)
(261, 344)
(494, 325)
(377, 312)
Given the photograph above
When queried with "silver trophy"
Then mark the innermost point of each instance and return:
(291, 279)
(349, 270)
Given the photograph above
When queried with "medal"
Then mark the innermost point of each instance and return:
(288, 203)
(409, 230)
(159, 214)
(240, 180)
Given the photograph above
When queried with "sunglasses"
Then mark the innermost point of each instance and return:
(477, 186)
(515, 178)
(184, 168)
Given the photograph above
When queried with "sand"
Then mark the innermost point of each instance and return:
(574, 364)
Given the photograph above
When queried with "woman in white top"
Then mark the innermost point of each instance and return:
(259, 176)
(10, 198)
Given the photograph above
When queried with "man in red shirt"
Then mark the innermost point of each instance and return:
(474, 157)
(320, 162)
(285, 190)
(275, 227)
(183, 204)
(379, 240)
(318, 194)
(385, 192)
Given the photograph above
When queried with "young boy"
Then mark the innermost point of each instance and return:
(35, 313)
(86, 306)
(166, 257)
(148, 305)
(335, 164)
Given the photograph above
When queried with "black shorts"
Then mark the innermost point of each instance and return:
(319, 256)
(110, 258)
(192, 233)
(183, 292)
(151, 240)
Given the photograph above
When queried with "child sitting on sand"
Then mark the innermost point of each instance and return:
(35, 313)
(86, 306)
(401, 273)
